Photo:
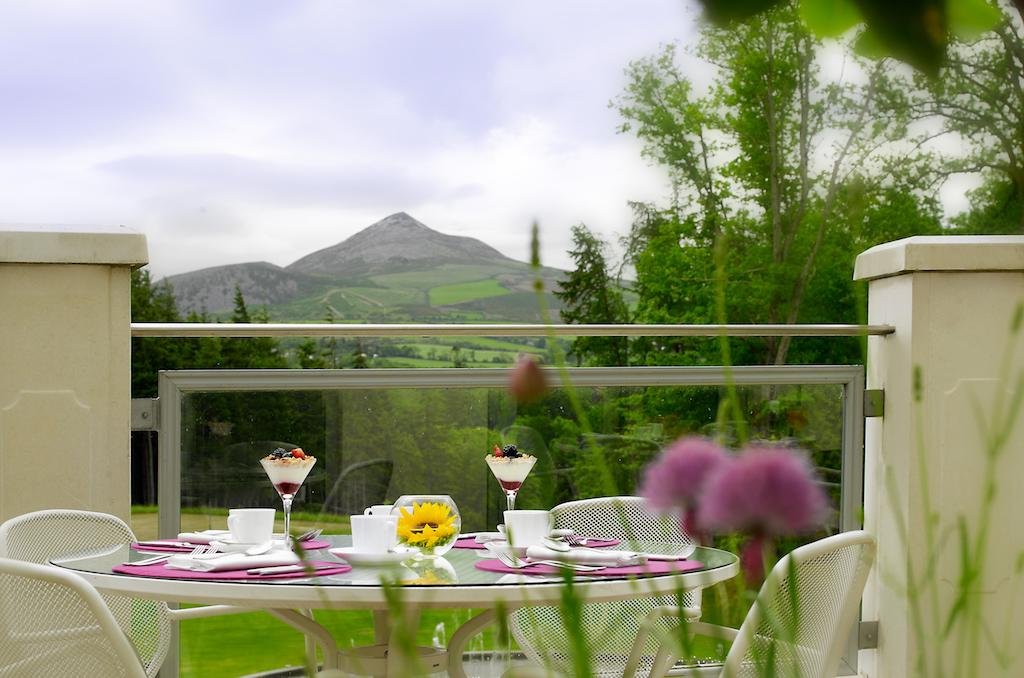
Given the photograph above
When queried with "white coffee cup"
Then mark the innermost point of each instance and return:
(374, 534)
(378, 510)
(251, 525)
(526, 528)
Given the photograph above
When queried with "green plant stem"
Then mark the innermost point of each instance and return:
(732, 401)
(1004, 419)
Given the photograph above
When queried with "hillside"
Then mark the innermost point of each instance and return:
(395, 270)
(262, 283)
(394, 243)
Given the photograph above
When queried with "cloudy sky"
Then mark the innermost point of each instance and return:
(246, 130)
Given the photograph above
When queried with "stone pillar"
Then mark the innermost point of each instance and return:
(65, 367)
(952, 300)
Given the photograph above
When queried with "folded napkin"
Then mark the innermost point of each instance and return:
(203, 537)
(219, 562)
(586, 556)
(485, 537)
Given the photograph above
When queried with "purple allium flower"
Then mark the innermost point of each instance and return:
(676, 478)
(767, 491)
(526, 382)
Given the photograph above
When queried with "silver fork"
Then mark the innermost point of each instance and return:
(309, 535)
(516, 563)
(149, 561)
(198, 550)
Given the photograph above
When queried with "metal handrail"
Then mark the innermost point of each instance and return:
(497, 330)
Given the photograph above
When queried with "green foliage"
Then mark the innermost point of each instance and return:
(779, 183)
(978, 102)
(998, 208)
(154, 304)
(915, 31)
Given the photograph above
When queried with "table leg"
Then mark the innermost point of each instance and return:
(410, 620)
(457, 644)
(381, 626)
(309, 627)
(311, 644)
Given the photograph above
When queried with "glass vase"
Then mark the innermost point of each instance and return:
(428, 524)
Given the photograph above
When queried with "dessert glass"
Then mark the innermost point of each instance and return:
(287, 474)
(510, 472)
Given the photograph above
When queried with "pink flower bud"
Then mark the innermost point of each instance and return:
(526, 382)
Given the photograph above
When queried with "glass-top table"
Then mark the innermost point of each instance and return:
(452, 582)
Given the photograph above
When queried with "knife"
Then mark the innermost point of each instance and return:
(284, 569)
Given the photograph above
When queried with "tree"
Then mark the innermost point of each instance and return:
(250, 352)
(152, 303)
(310, 355)
(589, 295)
(759, 166)
(978, 101)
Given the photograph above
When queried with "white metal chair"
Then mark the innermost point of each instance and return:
(53, 623)
(609, 628)
(799, 623)
(39, 536)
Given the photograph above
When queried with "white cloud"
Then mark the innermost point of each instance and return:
(260, 130)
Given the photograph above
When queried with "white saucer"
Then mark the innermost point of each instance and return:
(364, 558)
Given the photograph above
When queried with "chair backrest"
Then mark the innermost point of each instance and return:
(799, 623)
(53, 623)
(42, 535)
(625, 518)
(609, 628)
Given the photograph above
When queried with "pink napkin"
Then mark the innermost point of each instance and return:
(651, 567)
(159, 570)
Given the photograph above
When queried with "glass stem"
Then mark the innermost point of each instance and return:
(511, 496)
(286, 499)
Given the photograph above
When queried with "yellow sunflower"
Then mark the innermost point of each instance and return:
(426, 525)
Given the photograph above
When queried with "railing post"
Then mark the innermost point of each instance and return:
(65, 367)
(951, 300)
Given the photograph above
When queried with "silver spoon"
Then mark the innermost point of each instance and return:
(259, 549)
(556, 544)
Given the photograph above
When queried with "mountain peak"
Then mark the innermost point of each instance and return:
(395, 240)
(398, 220)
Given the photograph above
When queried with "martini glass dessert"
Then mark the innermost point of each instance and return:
(510, 467)
(287, 469)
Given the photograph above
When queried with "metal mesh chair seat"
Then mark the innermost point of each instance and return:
(37, 537)
(53, 623)
(609, 629)
(798, 624)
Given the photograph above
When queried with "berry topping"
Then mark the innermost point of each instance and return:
(510, 451)
(298, 453)
(279, 453)
(497, 452)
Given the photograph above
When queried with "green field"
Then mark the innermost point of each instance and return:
(447, 295)
(446, 274)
